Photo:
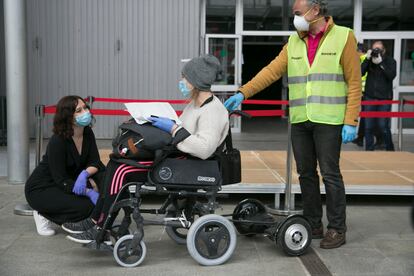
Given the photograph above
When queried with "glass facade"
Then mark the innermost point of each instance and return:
(387, 15)
(276, 15)
(225, 50)
(407, 62)
(220, 16)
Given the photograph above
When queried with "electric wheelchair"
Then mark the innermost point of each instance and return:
(191, 187)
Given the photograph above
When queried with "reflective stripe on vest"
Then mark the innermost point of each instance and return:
(316, 77)
(318, 100)
(318, 93)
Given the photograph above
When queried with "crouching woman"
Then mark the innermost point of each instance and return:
(63, 187)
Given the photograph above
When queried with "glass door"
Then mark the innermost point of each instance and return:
(227, 48)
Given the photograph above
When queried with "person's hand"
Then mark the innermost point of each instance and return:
(162, 123)
(80, 184)
(234, 101)
(348, 133)
(93, 195)
(377, 60)
(94, 185)
(368, 54)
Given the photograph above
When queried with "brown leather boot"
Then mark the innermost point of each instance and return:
(332, 239)
(317, 233)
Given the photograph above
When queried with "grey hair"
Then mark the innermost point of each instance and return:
(323, 5)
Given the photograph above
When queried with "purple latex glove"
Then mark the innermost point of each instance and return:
(93, 195)
(80, 185)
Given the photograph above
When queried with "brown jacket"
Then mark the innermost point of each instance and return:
(350, 63)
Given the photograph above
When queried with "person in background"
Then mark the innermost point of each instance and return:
(359, 141)
(63, 187)
(381, 70)
(324, 76)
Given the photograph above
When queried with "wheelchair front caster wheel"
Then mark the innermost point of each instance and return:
(117, 233)
(211, 240)
(295, 236)
(125, 255)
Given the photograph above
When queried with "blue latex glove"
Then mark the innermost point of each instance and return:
(234, 101)
(80, 184)
(348, 133)
(93, 195)
(162, 123)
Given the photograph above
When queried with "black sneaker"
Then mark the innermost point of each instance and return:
(78, 227)
(89, 236)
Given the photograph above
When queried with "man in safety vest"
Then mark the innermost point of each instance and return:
(324, 77)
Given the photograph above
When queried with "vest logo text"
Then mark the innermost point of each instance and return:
(328, 54)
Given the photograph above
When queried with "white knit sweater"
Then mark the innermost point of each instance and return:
(208, 126)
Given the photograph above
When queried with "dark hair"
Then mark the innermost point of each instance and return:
(63, 120)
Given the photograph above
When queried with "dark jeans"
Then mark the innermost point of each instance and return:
(320, 143)
(383, 124)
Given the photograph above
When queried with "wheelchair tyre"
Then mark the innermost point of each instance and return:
(248, 209)
(116, 234)
(175, 235)
(129, 258)
(294, 236)
(211, 240)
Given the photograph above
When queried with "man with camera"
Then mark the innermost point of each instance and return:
(381, 71)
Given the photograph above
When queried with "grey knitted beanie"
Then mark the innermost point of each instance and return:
(202, 71)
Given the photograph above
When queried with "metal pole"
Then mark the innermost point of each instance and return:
(91, 99)
(289, 208)
(16, 89)
(288, 188)
(400, 126)
(40, 115)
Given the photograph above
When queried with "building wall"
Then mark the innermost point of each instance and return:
(108, 48)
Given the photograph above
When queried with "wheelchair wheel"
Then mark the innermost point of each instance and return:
(177, 234)
(249, 209)
(294, 236)
(211, 240)
(129, 257)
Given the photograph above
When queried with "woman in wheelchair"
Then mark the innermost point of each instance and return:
(204, 127)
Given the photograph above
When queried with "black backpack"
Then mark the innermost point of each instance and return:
(138, 142)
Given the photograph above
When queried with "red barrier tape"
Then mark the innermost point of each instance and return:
(380, 114)
(50, 109)
(266, 102)
(265, 113)
(408, 102)
(112, 100)
(385, 102)
(260, 102)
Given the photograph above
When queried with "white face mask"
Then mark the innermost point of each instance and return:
(300, 23)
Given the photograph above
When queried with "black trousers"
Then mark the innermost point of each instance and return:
(116, 175)
(315, 143)
(60, 207)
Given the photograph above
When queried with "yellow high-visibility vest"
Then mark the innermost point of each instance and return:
(317, 93)
(364, 77)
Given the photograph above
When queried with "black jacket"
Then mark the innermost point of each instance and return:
(379, 79)
(61, 164)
